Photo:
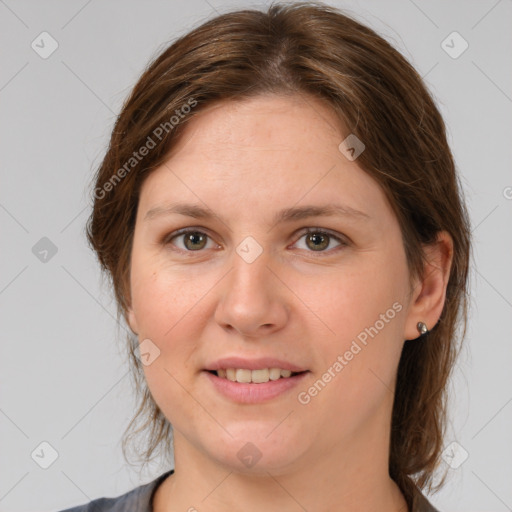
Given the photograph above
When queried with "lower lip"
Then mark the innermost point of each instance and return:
(251, 393)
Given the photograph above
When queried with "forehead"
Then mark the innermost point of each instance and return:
(267, 122)
(261, 153)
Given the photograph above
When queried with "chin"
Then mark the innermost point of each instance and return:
(253, 451)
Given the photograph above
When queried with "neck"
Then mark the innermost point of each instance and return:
(350, 476)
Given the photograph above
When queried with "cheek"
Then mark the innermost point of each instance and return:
(350, 302)
(167, 310)
(162, 299)
(364, 309)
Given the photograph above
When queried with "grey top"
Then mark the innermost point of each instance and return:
(140, 499)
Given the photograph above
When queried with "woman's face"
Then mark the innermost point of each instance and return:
(252, 284)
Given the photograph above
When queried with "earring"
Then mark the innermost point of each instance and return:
(422, 328)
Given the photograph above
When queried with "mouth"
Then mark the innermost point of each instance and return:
(260, 376)
(244, 386)
(253, 380)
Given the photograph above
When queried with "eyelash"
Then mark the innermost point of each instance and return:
(343, 243)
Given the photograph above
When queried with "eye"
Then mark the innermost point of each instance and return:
(318, 240)
(193, 239)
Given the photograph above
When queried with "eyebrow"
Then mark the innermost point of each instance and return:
(286, 215)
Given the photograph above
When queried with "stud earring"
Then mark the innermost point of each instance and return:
(422, 328)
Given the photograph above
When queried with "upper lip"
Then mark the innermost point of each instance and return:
(253, 364)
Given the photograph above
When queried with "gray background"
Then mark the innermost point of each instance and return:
(63, 378)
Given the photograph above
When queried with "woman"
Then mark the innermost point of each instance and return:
(284, 228)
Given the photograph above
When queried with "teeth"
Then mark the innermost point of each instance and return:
(243, 375)
(274, 373)
(257, 376)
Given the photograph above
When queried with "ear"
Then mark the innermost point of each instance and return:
(132, 321)
(129, 315)
(429, 292)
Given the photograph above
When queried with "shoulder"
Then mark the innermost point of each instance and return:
(136, 500)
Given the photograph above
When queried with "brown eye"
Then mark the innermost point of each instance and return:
(317, 240)
(195, 240)
(191, 240)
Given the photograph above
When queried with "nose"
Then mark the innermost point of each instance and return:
(252, 300)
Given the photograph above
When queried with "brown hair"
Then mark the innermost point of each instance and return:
(308, 49)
